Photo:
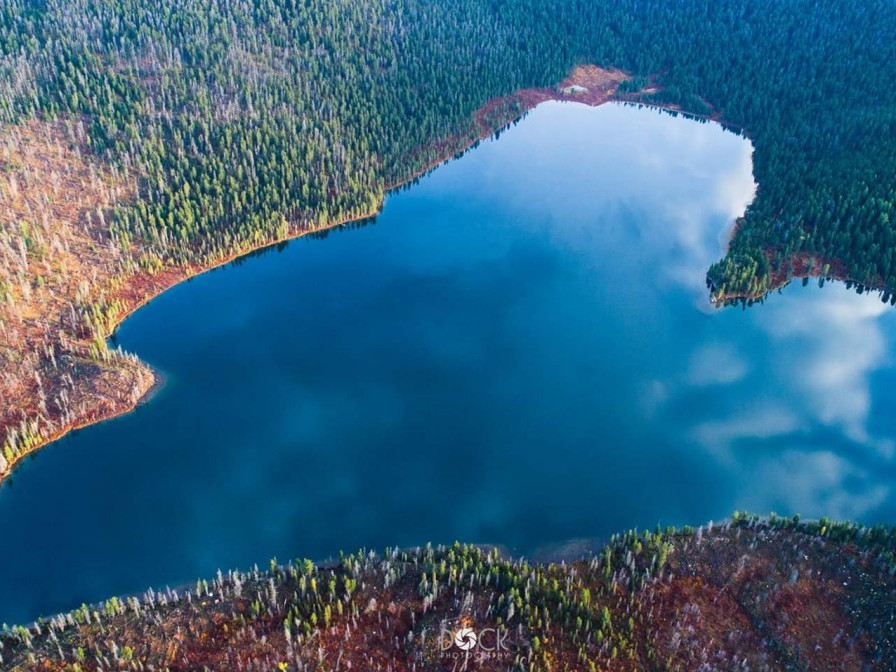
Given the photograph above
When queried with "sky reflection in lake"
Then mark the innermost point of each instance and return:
(765, 392)
(520, 351)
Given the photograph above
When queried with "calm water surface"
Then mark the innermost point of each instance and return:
(519, 351)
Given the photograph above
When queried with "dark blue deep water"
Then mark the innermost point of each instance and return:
(519, 351)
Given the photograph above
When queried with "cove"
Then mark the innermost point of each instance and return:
(519, 351)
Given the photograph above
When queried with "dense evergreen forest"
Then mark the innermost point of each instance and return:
(233, 118)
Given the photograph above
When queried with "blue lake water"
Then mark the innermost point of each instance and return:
(519, 351)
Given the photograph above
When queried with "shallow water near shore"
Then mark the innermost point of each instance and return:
(519, 351)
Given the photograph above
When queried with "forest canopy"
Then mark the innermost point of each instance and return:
(240, 116)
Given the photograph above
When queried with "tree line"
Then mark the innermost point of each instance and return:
(242, 119)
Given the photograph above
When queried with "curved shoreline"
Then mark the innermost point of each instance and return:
(159, 383)
(801, 267)
(601, 86)
(782, 588)
(155, 378)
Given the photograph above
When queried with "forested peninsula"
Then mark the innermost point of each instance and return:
(747, 594)
(143, 143)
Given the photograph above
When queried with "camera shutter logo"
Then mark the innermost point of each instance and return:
(465, 639)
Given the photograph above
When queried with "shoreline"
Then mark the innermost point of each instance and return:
(146, 394)
(718, 575)
(802, 267)
(159, 383)
(601, 86)
(156, 378)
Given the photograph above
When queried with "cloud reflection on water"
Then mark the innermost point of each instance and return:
(520, 351)
(787, 379)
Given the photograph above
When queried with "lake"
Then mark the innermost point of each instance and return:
(519, 351)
